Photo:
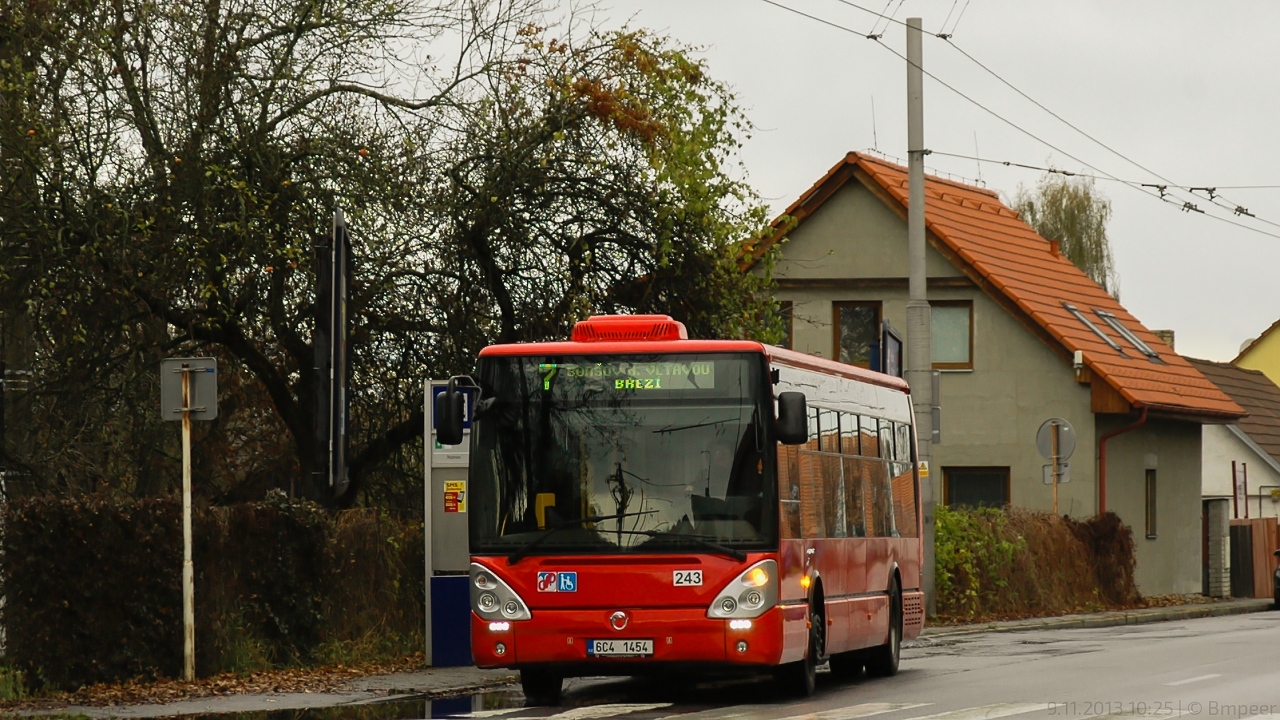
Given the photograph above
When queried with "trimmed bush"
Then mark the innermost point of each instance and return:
(93, 588)
(1018, 563)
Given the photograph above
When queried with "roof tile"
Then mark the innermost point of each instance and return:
(1005, 251)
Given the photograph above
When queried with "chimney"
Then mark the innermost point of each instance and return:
(1166, 336)
(1055, 248)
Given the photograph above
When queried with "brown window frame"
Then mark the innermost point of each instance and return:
(835, 323)
(946, 479)
(955, 365)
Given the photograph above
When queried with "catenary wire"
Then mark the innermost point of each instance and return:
(1210, 191)
(1160, 193)
(1235, 207)
(1183, 204)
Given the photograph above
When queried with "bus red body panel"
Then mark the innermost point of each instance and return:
(632, 435)
(680, 635)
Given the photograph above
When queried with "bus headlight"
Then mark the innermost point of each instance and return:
(749, 595)
(493, 599)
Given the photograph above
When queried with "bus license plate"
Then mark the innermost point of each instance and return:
(619, 648)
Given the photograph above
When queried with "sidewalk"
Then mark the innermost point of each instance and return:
(445, 682)
(1110, 618)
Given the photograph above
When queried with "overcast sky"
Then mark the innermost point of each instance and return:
(1188, 90)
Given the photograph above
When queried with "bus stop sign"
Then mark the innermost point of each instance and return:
(204, 388)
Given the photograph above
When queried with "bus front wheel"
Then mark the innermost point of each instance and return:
(540, 687)
(883, 660)
(801, 678)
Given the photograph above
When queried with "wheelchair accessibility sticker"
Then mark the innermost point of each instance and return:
(557, 582)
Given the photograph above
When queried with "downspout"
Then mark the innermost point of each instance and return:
(1102, 458)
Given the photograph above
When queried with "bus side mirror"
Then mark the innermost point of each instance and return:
(449, 409)
(792, 427)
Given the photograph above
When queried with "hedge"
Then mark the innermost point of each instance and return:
(93, 587)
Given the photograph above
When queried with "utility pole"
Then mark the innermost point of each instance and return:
(919, 343)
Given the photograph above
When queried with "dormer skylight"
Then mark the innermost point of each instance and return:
(1127, 334)
(1096, 330)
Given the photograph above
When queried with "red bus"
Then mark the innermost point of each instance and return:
(642, 503)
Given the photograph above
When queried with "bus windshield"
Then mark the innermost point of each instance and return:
(609, 454)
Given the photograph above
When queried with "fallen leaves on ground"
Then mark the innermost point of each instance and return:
(327, 678)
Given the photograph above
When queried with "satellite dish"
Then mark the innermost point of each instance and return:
(1245, 344)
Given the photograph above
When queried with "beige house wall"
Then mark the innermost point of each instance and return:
(1169, 562)
(990, 415)
(1220, 447)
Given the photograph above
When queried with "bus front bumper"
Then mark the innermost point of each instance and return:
(682, 635)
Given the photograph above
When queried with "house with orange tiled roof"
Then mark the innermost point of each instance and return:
(1019, 335)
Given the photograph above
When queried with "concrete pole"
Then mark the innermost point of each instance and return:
(919, 344)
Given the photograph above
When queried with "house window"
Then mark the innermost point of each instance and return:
(952, 334)
(1096, 330)
(975, 487)
(1127, 334)
(1151, 503)
(857, 333)
(786, 308)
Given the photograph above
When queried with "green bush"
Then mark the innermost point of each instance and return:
(93, 588)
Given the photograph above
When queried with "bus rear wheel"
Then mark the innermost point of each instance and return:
(541, 687)
(883, 661)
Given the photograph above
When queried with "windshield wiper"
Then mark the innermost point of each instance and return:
(699, 540)
(525, 549)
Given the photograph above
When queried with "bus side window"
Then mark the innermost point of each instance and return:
(902, 443)
(832, 505)
(810, 494)
(855, 515)
(870, 439)
(789, 490)
(904, 499)
(886, 439)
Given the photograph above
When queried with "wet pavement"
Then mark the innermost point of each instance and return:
(470, 692)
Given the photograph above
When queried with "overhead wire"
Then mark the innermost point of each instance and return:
(1236, 208)
(1160, 190)
(958, 17)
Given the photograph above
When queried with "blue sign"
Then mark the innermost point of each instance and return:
(557, 581)
(468, 401)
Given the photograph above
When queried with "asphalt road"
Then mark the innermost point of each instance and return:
(1225, 668)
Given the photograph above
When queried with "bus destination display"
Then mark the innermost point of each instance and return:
(622, 375)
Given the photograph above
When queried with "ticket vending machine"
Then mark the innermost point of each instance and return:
(448, 622)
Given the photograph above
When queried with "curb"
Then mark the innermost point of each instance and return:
(444, 693)
(1109, 619)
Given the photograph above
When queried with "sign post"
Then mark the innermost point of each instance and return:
(1056, 441)
(188, 391)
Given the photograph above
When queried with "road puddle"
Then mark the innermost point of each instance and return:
(478, 705)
